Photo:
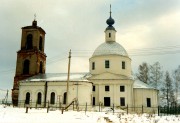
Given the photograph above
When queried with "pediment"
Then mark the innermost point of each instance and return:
(107, 75)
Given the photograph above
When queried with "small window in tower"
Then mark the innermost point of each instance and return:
(40, 43)
(107, 88)
(29, 40)
(93, 65)
(106, 63)
(26, 67)
(123, 65)
(109, 35)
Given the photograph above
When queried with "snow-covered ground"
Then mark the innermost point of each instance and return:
(18, 115)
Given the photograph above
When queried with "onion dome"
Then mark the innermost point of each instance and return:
(110, 21)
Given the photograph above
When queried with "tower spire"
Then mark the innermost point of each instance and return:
(110, 10)
(110, 21)
(110, 32)
(34, 23)
(35, 16)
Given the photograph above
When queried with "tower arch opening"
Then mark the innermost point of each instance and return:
(40, 43)
(26, 67)
(29, 42)
(41, 67)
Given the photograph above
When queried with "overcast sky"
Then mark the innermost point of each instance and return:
(148, 29)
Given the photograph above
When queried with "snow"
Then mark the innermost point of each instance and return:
(57, 77)
(18, 115)
(140, 84)
(110, 48)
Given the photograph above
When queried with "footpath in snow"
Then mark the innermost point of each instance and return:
(18, 115)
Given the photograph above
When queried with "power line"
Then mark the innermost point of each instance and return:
(132, 52)
(2, 89)
(7, 71)
(56, 60)
(138, 52)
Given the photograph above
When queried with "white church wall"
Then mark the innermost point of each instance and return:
(115, 65)
(127, 94)
(114, 91)
(83, 92)
(33, 88)
(140, 99)
(84, 95)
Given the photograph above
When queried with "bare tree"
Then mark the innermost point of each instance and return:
(156, 74)
(143, 72)
(176, 77)
(167, 90)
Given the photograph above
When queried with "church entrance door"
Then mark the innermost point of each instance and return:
(107, 101)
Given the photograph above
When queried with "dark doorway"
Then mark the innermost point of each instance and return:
(148, 102)
(107, 101)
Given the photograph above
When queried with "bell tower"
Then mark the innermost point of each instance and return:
(31, 59)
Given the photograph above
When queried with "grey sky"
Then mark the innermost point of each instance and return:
(79, 25)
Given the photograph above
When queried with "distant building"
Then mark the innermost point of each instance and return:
(109, 80)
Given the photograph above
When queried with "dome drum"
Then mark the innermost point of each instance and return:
(117, 65)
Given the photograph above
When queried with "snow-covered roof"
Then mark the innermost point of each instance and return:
(140, 84)
(110, 48)
(57, 77)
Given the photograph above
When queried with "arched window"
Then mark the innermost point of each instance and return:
(64, 98)
(26, 67)
(52, 98)
(29, 42)
(41, 67)
(39, 95)
(40, 43)
(27, 98)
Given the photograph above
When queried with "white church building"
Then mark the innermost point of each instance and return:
(109, 82)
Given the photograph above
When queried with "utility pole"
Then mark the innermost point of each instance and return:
(7, 97)
(67, 93)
